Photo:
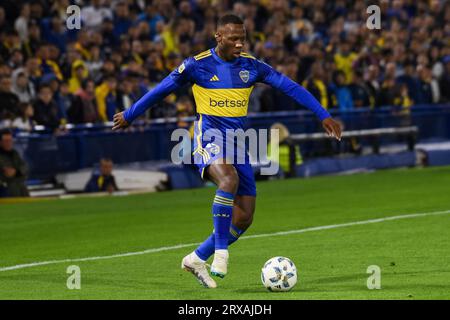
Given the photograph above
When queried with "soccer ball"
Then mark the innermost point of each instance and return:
(279, 274)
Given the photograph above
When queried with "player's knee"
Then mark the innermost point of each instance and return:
(244, 221)
(229, 183)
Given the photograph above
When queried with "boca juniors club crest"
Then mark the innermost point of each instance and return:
(245, 75)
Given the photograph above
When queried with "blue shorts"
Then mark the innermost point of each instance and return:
(206, 152)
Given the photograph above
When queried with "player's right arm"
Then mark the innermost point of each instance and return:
(302, 96)
(176, 79)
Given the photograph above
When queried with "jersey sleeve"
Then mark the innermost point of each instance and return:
(272, 77)
(176, 79)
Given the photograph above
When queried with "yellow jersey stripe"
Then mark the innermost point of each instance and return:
(246, 55)
(203, 52)
(203, 55)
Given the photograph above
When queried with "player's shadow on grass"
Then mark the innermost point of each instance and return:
(91, 281)
(339, 279)
(33, 277)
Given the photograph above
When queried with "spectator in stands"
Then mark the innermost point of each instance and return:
(360, 94)
(344, 59)
(342, 96)
(16, 59)
(184, 109)
(121, 19)
(55, 32)
(25, 120)
(389, 88)
(164, 109)
(151, 17)
(10, 43)
(106, 97)
(410, 80)
(284, 151)
(21, 23)
(444, 83)
(92, 15)
(22, 87)
(8, 101)
(3, 21)
(316, 85)
(82, 44)
(45, 108)
(46, 64)
(95, 63)
(402, 100)
(84, 106)
(62, 97)
(79, 73)
(428, 89)
(372, 83)
(32, 70)
(13, 170)
(102, 180)
(153, 37)
(125, 94)
(387, 93)
(32, 43)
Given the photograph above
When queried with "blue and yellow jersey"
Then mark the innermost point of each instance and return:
(222, 89)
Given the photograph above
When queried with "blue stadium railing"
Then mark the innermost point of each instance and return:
(83, 145)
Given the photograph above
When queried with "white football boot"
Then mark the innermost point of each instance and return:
(197, 267)
(220, 263)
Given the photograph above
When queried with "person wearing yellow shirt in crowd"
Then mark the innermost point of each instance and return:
(315, 84)
(78, 75)
(47, 65)
(284, 152)
(169, 37)
(344, 61)
(106, 98)
(402, 100)
(82, 44)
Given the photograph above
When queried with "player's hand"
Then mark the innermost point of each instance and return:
(333, 128)
(119, 121)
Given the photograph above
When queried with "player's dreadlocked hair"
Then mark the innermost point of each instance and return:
(229, 18)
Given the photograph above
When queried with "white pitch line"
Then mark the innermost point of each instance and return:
(263, 235)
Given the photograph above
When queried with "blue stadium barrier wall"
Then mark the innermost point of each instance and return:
(438, 158)
(370, 162)
(83, 147)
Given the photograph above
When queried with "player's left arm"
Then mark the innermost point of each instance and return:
(302, 96)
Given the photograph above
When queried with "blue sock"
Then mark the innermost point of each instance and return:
(235, 233)
(206, 249)
(222, 211)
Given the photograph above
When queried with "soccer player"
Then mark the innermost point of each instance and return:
(223, 78)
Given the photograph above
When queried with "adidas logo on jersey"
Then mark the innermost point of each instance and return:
(214, 78)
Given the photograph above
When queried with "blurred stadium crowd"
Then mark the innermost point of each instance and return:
(50, 75)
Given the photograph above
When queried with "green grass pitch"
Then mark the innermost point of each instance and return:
(413, 253)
